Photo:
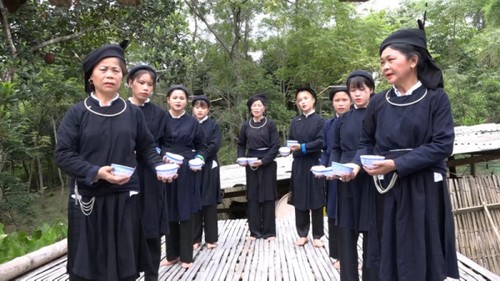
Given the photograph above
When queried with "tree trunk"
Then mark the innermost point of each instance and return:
(40, 175)
(54, 130)
(7, 76)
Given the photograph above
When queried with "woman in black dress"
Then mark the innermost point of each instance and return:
(341, 103)
(412, 126)
(209, 179)
(356, 199)
(259, 138)
(184, 137)
(141, 81)
(308, 192)
(104, 227)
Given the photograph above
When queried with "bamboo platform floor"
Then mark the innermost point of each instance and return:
(237, 258)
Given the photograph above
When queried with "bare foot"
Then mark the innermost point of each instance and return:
(196, 245)
(169, 263)
(251, 238)
(336, 264)
(211, 245)
(317, 243)
(301, 241)
(186, 265)
(272, 238)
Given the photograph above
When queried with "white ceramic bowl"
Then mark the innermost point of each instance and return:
(289, 143)
(284, 151)
(368, 160)
(340, 169)
(250, 160)
(328, 172)
(121, 170)
(174, 158)
(318, 170)
(167, 170)
(196, 164)
(242, 161)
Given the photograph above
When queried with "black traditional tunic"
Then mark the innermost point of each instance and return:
(331, 186)
(210, 174)
(355, 198)
(185, 137)
(153, 191)
(86, 141)
(308, 192)
(417, 234)
(261, 140)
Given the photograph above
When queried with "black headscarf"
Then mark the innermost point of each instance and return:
(136, 68)
(255, 98)
(306, 89)
(177, 87)
(94, 57)
(429, 73)
(200, 97)
(362, 73)
(336, 89)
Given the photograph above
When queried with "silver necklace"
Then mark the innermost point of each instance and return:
(254, 127)
(404, 104)
(89, 108)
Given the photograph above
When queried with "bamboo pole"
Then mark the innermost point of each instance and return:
(21, 265)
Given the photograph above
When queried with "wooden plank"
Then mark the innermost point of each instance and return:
(237, 258)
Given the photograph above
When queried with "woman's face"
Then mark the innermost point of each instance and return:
(142, 86)
(305, 101)
(107, 76)
(396, 67)
(341, 102)
(257, 109)
(360, 95)
(200, 111)
(177, 100)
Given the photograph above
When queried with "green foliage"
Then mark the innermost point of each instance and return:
(16, 244)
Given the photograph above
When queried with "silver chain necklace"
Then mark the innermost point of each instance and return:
(254, 127)
(89, 108)
(404, 104)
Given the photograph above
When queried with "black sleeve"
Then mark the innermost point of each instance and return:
(316, 144)
(242, 141)
(336, 151)
(213, 140)
(275, 144)
(67, 153)
(145, 144)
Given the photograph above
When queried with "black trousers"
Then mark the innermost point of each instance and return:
(333, 239)
(154, 250)
(302, 221)
(179, 241)
(348, 256)
(206, 220)
(261, 218)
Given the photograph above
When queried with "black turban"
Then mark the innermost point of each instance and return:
(94, 57)
(362, 73)
(200, 97)
(429, 73)
(177, 87)
(136, 68)
(336, 89)
(306, 89)
(255, 98)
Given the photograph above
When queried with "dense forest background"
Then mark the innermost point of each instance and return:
(229, 49)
